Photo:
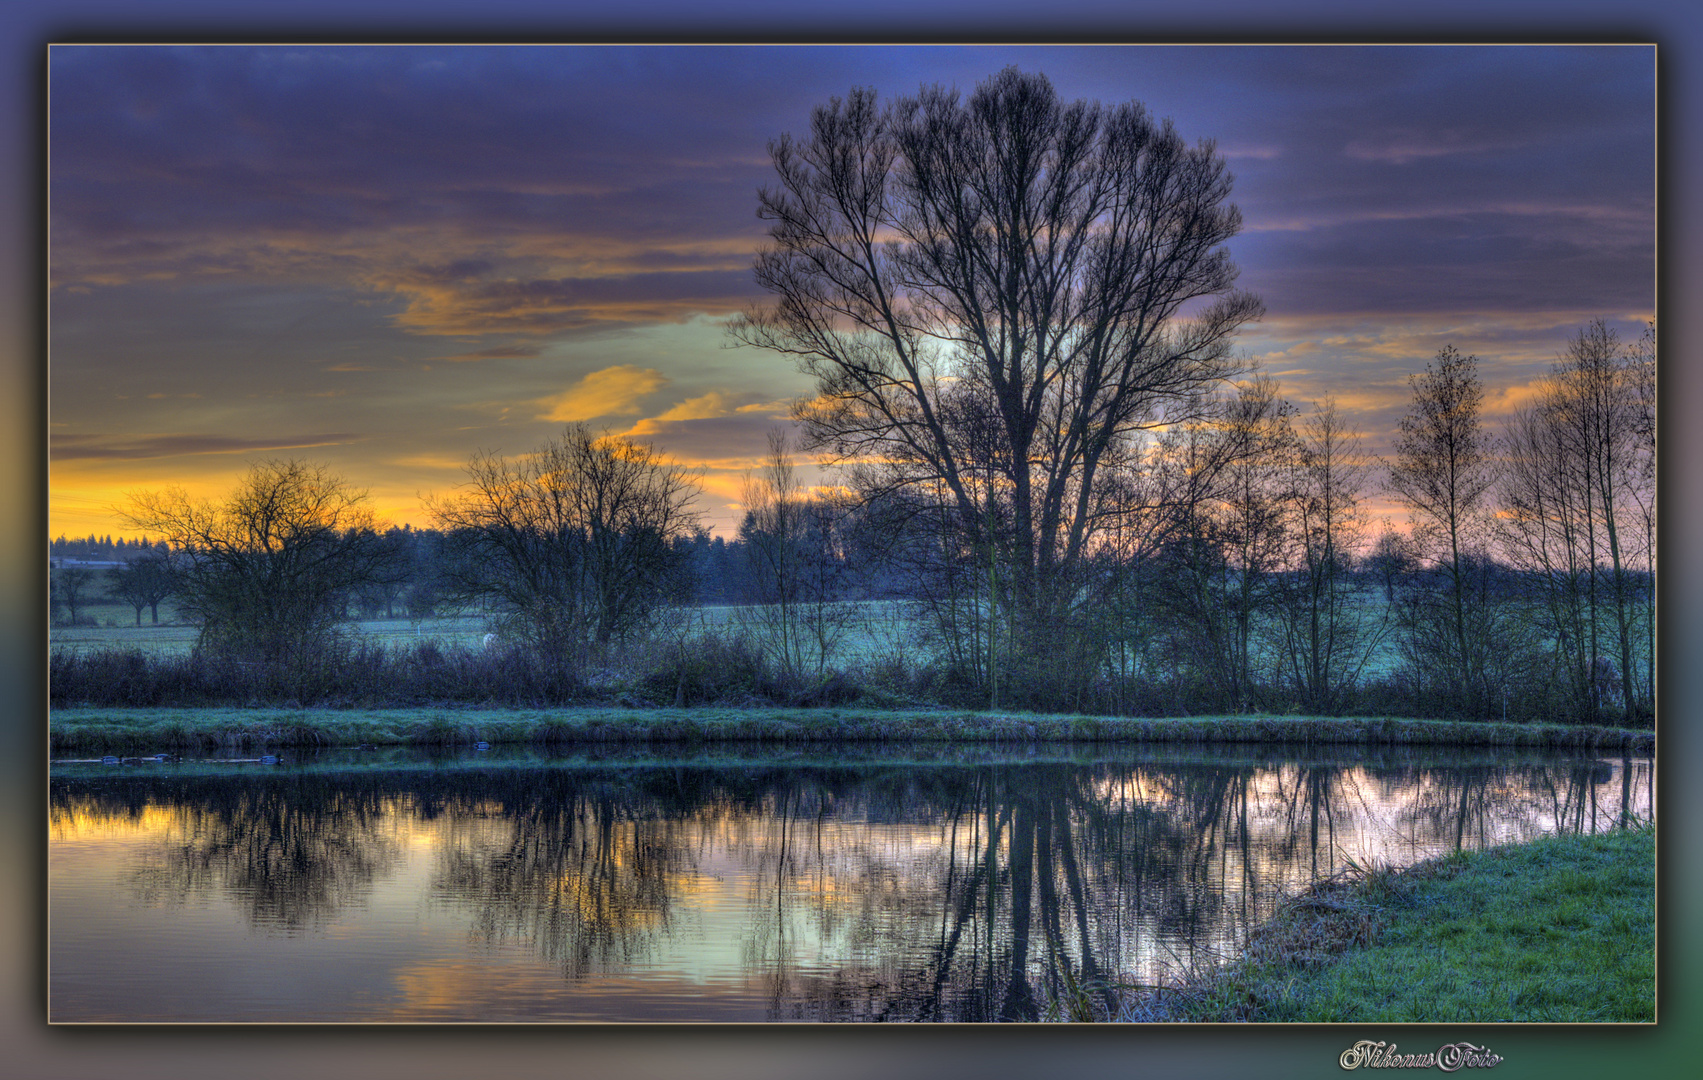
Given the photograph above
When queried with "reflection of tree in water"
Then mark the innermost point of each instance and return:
(874, 892)
(584, 877)
(1483, 805)
(1090, 883)
(1574, 795)
(290, 854)
(1041, 873)
(1462, 807)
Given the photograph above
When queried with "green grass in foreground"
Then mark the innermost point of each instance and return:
(1560, 930)
(109, 730)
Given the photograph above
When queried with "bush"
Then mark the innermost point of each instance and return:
(699, 670)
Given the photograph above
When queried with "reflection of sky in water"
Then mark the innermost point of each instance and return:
(792, 895)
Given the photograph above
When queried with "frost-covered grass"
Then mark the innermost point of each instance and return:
(119, 730)
(1559, 930)
(177, 638)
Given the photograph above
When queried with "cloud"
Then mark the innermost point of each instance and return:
(1507, 400)
(1406, 148)
(710, 406)
(499, 352)
(104, 447)
(293, 216)
(429, 462)
(614, 391)
(481, 304)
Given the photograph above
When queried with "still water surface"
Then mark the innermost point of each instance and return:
(905, 884)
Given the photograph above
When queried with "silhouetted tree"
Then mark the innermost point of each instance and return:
(573, 545)
(1329, 635)
(794, 607)
(1008, 267)
(1578, 504)
(266, 570)
(1225, 490)
(1390, 560)
(143, 583)
(1442, 474)
(75, 587)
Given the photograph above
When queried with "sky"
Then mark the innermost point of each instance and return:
(388, 259)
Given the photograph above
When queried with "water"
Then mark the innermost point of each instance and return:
(903, 884)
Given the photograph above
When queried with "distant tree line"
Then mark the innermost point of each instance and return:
(99, 548)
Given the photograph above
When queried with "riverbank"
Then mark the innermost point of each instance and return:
(1559, 930)
(137, 731)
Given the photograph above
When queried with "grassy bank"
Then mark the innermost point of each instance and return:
(1560, 930)
(109, 730)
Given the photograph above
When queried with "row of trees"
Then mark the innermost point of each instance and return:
(1240, 570)
(1020, 314)
(99, 548)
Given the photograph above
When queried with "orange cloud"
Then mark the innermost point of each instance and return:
(429, 461)
(704, 407)
(711, 406)
(614, 391)
(1506, 400)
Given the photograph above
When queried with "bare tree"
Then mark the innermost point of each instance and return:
(1391, 559)
(1442, 473)
(1578, 505)
(1222, 514)
(267, 570)
(1600, 391)
(795, 610)
(1329, 635)
(1641, 360)
(1010, 266)
(571, 546)
(143, 583)
(74, 588)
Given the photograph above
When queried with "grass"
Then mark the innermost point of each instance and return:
(1559, 930)
(175, 638)
(115, 730)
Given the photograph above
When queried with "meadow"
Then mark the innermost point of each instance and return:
(877, 653)
(872, 628)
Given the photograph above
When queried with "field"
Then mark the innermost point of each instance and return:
(888, 648)
(871, 629)
(179, 637)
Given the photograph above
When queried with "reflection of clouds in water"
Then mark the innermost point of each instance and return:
(519, 992)
(761, 891)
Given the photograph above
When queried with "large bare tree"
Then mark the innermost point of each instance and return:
(994, 295)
